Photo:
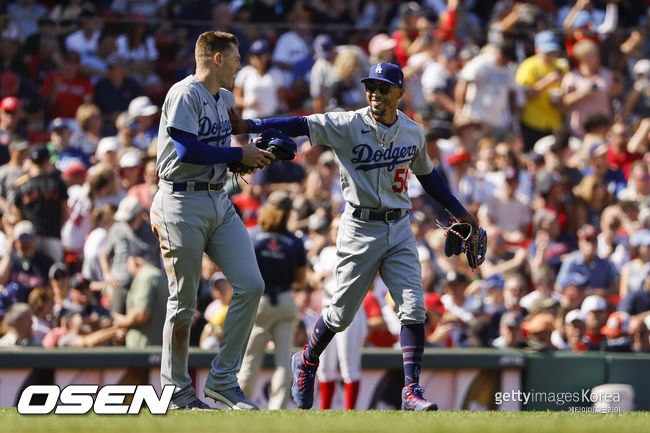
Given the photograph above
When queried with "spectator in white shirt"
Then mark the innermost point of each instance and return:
(258, 86)
(138, 46)
(84, 41)
(24, 14)
(322, 74)
(291, 53)
(508, 211)
(486, 87)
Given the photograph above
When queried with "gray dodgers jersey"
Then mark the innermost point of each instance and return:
(372, 176)
(190, 107)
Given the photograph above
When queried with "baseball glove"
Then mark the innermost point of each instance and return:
(277, 142)
(463, 238)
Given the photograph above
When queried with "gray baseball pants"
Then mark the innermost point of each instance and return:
(365, 248)
(187, 224)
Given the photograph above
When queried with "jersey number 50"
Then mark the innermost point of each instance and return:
(401, 174)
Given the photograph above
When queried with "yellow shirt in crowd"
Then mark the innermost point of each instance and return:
(538, 113)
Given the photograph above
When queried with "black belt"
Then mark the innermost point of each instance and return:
(197, 186)
(389, 216)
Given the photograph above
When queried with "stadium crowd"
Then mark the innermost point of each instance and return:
(537, 114)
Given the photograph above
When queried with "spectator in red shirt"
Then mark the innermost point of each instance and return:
(413, 31)
(248, 201)
(9, 114)
(65, 90)
(146, 190)
(447, 23)
(436, 333)
(378, 333)
(579, 27)
(618, 154)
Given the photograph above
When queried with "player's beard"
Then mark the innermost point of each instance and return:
(378, 112)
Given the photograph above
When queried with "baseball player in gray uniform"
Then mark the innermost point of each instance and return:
(376, 147)
(191, 214)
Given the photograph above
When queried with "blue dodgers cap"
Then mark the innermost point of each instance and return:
(546, 42)
(274, 137)
(386, 72)
(260, 46)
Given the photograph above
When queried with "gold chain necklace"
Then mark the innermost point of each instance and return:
(375, 125)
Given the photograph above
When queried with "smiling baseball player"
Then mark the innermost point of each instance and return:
(191, 214)
(376, 147)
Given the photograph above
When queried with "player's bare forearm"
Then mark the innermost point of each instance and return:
(459, 94)
(470, 218)
(238, 125)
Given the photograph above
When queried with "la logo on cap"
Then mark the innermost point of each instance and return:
(378, 68)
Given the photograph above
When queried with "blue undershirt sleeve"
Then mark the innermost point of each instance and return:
(437, 188)
(292, 126)
(192, 151)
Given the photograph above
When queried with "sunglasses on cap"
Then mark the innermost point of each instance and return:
(383, 88)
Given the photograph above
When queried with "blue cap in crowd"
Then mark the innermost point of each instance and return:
(546, 42)
(260, 46)
(11, 294)
(573, 279)
(386, 72)
(494, 281)
(641, 237)
(323, 46)
(582, 19)
(449, 50)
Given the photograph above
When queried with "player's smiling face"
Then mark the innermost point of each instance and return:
(382, 98)
(230, 65)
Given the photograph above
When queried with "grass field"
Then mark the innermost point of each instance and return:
(223, 421)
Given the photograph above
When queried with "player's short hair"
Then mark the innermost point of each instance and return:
(212, 42)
